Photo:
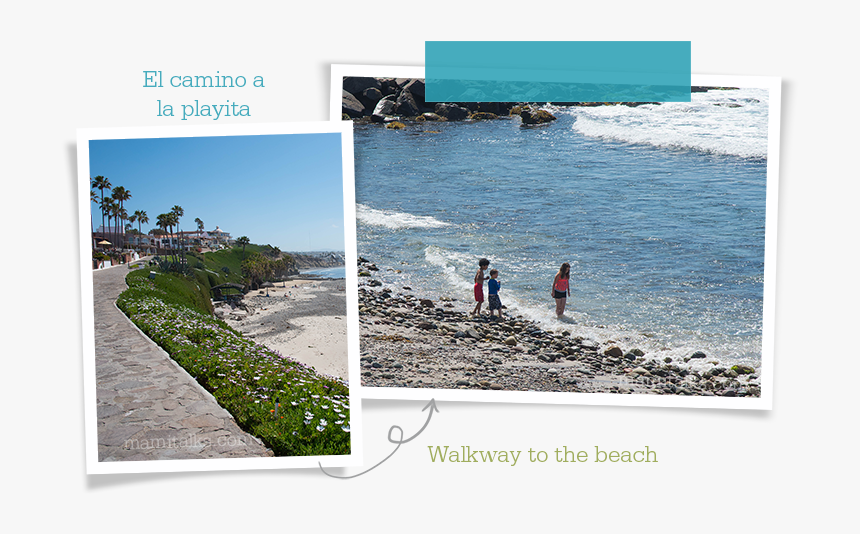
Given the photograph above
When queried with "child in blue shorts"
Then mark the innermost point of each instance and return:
(493, 287)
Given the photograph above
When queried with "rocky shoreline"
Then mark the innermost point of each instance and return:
(413, 342)
(391, 100)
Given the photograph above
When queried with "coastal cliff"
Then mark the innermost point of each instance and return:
(318, 260)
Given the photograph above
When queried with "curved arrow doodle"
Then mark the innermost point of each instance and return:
(399, 442)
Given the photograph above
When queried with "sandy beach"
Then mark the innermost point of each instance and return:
(302, 319)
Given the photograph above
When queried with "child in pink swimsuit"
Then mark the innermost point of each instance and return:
(561, 288)
(479, 285)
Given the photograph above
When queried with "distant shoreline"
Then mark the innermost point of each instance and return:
(306, 274)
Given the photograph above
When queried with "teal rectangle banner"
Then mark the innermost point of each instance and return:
(557, 71)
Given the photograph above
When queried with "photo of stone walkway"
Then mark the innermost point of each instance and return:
(149, 408)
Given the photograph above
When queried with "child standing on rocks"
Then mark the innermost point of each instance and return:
(493, 287)
(483, 263)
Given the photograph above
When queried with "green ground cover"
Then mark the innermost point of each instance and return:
(247, 379)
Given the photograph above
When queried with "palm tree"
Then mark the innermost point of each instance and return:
(199, 229)
(178, 212)
(93, 198)
(130, 226)
(122, 215)
(114, 214)
(243, 241)
(140, 217)
(163, 221)
(101, 183)
(121, 194)
(106, 206)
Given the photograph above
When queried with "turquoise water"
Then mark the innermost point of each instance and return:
(660, 210)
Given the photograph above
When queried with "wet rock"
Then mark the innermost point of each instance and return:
(589, 344)
(351, 106)
(356, 85)
(615, 352)
(406, 104)
(452, 112)
(483, 115)
(743, 369)
(698, 354)
(539, 116)
(384, 107)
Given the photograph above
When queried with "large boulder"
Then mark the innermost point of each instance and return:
(385, 106)
(540, 116)
(351, 106)
(406, 104)
(452, 112)
(357, 84)
(369, 97)
(416, 87)
(389, 86)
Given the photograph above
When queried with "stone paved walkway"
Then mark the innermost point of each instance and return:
(149, 408)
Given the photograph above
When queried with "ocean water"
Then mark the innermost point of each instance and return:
(328, 272)
(659, 209)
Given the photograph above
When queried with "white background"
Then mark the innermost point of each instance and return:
(68, 66)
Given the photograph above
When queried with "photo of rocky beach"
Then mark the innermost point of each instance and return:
(658, 209)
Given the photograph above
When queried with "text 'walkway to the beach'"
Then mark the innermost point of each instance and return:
(148, 407)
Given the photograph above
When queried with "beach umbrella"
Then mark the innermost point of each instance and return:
(104, 242)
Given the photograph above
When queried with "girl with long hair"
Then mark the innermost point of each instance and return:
(561, 288)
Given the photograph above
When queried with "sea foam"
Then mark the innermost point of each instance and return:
(732, 122)
(395, 219)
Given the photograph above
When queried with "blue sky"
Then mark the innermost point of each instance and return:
(283, 190)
